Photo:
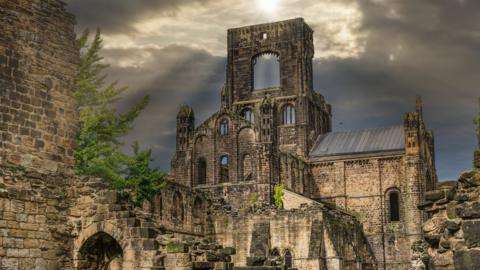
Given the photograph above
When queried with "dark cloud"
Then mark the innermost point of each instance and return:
(171, 76)
(120, 15)
(429, 47)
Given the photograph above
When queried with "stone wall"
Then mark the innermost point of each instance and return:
(34, 224)
(363, 186)
(452, 232)
(316, 237)
(38, 63)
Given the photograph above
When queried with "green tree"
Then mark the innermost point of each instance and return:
(98, 150)
(278, 195)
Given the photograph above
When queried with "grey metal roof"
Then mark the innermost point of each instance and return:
(359, 141)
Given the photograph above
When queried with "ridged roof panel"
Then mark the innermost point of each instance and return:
(359, 141)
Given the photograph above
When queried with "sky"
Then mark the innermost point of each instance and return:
(372, 57)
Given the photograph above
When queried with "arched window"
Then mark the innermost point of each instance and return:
(247, 168)
(274, 252)
(224, 127)
(198, 214)
(394, 203)
(288, 259)
(288, 115)
(266, 71)
(201, 171)
(224, 163)
(248, 115)
(177, 207)
(157, 205)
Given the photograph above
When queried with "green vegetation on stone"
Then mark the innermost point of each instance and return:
(278, 195)
(98, 150)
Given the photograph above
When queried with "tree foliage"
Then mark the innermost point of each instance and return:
(278, 195)
(98, 150)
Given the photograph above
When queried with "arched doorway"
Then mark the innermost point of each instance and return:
(100, 252)
(288, 259)
(198, 215)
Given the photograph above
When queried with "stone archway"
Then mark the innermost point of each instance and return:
(100, 252)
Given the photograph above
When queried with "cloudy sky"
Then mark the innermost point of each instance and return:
(371, 58)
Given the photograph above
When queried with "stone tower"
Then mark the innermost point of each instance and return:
(37, 114)
(291, 44)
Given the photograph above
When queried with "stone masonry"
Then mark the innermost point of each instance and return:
(216, 211)
(451, 234)
(255, 141)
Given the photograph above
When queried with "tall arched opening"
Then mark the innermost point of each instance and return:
(100, 252)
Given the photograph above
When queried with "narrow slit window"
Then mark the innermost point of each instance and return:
(394, 206)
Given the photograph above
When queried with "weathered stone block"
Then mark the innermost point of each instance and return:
(202, 265)
(452, 225)
(468, 210)
(176, 247)
(466, 259)
(228, 251)
(434, 195)
(256, 260)
(471, 232)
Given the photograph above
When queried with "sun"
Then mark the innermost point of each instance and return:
(268, 6)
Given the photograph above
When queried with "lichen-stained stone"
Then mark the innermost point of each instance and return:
(471, 232)
(468, 210)
(177, 247)
(467, 259)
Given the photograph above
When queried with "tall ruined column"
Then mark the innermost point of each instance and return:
(415, 177)
(38, 63)
(38, 122)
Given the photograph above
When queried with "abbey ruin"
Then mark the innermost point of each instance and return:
(350, 198)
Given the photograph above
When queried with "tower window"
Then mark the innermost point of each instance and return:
(266, 71)
(224, 163)
(264, 35)
(224, 127)
(248, 115)
(201, 171)
(394, 202)
(288, 115)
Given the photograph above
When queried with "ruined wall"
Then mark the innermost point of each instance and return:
(316, 237)
(363, 186)
(38, 58)
(452, 232)
(34, 227)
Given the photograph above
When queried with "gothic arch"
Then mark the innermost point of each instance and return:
(95, 235)
(288, 258)
(201, 171)
(198, 214)
(266, 70)
(177, 207)
(101, 252)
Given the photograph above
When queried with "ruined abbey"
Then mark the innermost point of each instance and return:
(350, 197)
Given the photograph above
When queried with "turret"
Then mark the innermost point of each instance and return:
(185, 127)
